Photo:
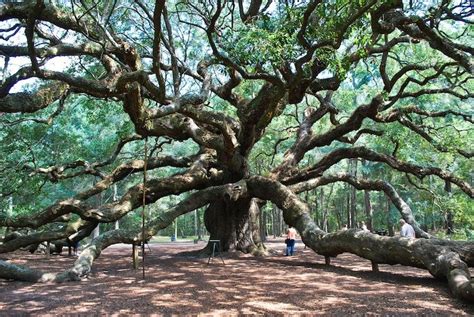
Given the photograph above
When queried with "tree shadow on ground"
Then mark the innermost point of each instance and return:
(277, 285)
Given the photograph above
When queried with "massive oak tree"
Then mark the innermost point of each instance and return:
(218, 75)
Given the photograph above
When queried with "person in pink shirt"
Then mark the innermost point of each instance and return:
(290, 241)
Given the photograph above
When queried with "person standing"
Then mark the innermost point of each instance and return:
(290, 241)
(407, 230)
(363, 226)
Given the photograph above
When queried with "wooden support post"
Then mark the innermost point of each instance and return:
(327, 259)
(375, 267)
(135, 256)
(48, 249)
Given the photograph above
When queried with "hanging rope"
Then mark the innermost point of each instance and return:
(145, 162)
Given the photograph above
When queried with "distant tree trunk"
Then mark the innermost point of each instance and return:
(9, 214)
(274, 220)
(325, 222)
(449, 222)
(176, 228)
(316, 206)
(432, 220)
(339, 214)
(321, 207)
(389, 220)
(199, 224)
(449, 214)
(99, 200)
(348, 206)
(195, 223)
(368, 205)
(380, 210)
(114, 198)
(368, 211)
(10, 207)
(353, 210)
(282, 222)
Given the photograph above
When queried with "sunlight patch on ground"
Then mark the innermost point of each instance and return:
(331, 300)
(274, 306)
(173, 283)
(222, 312)
(430, 305)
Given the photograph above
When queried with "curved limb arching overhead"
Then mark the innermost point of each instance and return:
(441, 258)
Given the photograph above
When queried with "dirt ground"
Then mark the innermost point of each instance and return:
(277, 285)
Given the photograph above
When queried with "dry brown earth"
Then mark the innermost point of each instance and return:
(275, 285)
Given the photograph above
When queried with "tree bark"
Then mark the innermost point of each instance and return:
(263, 224)
(235, 224)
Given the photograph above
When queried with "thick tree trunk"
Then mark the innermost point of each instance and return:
(255, 227)
(235, 224)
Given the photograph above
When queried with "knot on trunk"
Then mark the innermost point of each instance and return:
(235, 191)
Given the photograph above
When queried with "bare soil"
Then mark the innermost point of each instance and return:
(176, 284)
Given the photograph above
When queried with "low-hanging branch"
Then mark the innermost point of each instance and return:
(45, 235)
(443, 259)
(114, 211)
(83, 264)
